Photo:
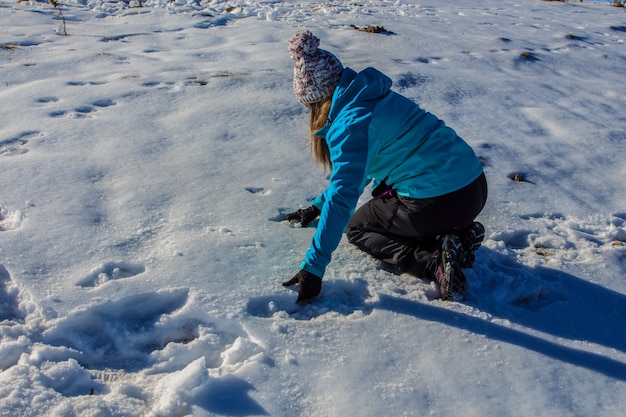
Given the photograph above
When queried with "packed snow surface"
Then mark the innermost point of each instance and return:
(147, 158)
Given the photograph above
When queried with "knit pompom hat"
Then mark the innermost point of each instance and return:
(316, 72)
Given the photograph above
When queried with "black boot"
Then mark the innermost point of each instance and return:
(452, 281)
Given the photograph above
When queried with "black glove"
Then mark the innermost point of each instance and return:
(309, 285)
(304, 216)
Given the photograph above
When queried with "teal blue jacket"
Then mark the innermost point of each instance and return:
(374, 135)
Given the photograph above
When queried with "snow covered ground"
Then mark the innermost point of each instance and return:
(146, 158)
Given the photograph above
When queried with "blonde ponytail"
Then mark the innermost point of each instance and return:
(319, 118)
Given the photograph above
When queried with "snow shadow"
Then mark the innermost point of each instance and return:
(9, 305)
(225, 395)
(343, 297)
(228, 396)
(540, 299)
(548, 300)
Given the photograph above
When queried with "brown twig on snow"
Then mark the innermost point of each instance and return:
(55, 4)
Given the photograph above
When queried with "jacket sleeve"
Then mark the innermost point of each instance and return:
(347, 140)
(318, 201)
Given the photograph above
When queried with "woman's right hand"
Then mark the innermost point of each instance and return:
(309, 285)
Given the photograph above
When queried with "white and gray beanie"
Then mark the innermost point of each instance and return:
(316, 72)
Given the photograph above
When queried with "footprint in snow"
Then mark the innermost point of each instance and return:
(83, 83)
(110, 271)
(258, 190)
(15, 145)
(160, 86)
(409, 80)
(58, 113)
(121, 334)
(83, 112)
(104, 103)
(84, 109)
(46, 100)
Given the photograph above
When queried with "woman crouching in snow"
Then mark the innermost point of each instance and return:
(428, 185)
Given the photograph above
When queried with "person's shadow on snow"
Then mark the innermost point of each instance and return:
(343, 297)
(538, 299)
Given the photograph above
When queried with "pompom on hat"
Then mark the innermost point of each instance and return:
(316, 72)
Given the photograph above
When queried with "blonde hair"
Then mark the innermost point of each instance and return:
(319, 118)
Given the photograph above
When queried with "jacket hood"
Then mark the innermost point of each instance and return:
(353, 87)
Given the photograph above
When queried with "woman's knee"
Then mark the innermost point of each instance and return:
(353, 233)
